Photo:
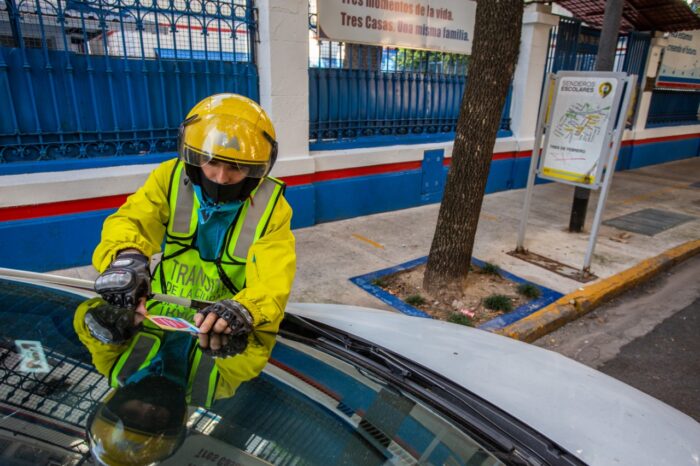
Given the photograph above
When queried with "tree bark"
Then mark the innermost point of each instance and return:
(494, 56)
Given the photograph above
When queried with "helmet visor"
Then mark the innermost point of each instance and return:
(226, 139)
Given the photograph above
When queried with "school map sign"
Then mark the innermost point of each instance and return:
(442, 25)
(680, 65)
(579, 128)
(581, 120)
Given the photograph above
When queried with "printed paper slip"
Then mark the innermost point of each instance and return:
(173, 324)
(33, 358)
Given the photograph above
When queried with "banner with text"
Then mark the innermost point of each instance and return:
(579, 128)
(441, 25)
(680, 66)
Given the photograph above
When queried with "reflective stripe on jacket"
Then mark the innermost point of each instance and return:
(206, 376)
(202, 377)
(182, 271)
(257, 263)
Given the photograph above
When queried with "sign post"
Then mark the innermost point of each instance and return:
(582, 126)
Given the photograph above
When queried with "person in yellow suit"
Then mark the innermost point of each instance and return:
(224, 224)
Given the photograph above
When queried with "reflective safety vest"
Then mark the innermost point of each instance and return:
(182, 272)
(202, 376)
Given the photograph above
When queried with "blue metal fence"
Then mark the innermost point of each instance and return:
(88, 78)
(361, 95)
(573, 46)
(671, 108)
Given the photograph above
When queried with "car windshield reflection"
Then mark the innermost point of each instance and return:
(68, 400)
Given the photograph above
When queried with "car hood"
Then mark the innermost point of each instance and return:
(595, 417)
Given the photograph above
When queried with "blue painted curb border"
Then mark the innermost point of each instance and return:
(366, 282)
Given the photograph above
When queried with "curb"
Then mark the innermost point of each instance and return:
(583, 301)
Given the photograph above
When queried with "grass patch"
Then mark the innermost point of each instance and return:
(490, 269)
(415, 300)
(380, 282)
(498, 302)
(461, 319)
(529, 290)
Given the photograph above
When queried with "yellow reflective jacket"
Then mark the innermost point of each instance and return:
(270, 263)
(232, 371)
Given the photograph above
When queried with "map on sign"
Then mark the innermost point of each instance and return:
(580, 125)
(582, 122)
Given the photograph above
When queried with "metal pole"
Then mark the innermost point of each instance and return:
(604, 61)
(534, 160)
(610, 170)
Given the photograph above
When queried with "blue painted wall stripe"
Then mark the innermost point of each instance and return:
(66, 241)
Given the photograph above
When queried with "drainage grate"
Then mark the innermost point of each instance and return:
(648, 221)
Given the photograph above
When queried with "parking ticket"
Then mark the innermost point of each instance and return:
(173, 324)
(33, 358)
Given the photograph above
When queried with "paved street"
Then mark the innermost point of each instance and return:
(647, 338)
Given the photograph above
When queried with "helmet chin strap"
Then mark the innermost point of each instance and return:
(221, 193)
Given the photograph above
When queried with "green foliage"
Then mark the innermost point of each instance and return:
(461, 319)
(490, 269)
(498, 302)
(529, 290)
(380, 282)
(415, 300)
(429, 62)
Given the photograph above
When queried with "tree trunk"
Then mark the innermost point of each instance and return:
(494, 56)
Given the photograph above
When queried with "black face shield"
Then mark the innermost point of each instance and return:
(221, 193)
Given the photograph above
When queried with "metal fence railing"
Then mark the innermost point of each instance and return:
(574, 47)
(672, 108)
(87, 78)
(364, 95)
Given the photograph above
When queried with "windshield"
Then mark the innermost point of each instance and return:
(277, 401)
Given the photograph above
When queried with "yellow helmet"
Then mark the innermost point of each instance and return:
(229, 128)
(131, 427)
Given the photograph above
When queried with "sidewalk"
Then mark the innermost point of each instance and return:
(329, 254)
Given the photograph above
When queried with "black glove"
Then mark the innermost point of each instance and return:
(110, 324)
(231, 345)
(239, 319)
(126, 280)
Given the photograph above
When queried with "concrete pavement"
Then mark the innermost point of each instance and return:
(329, 254)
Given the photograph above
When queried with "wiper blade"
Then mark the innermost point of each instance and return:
(369, 350)
(344, 340)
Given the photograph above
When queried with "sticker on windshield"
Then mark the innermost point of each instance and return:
(175, 324)
(33, 358)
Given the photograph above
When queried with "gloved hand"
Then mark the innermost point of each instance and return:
(110, 324)
(219, 345)
(227, 316)
(126, 281)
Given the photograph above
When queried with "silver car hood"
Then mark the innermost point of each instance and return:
(595, 417)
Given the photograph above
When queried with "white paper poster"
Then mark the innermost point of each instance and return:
(680, 66)
(442, 25)
(579, 128)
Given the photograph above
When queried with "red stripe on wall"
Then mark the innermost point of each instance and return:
(112, 202)
(61, 208)
(350, 173)
(679, 137)
(678, 85)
